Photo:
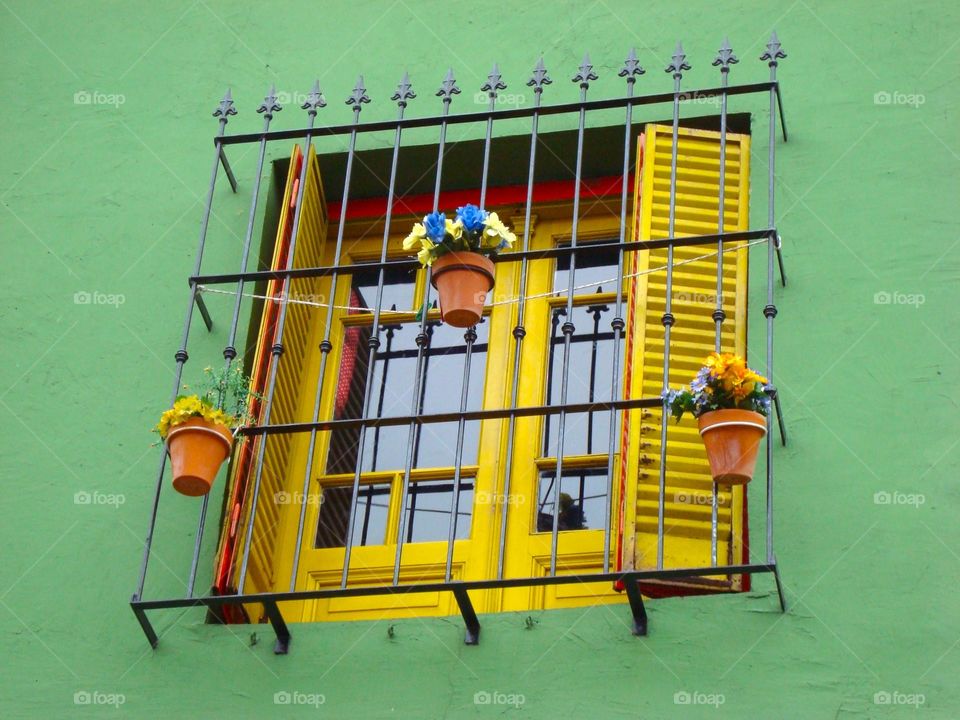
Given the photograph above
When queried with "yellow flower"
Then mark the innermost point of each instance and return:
(416, 235)
(425, 256)
(494, 231)
(454, 229)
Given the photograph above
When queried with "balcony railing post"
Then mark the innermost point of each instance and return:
(772, 55)
(676, 67)
(224, 110)
(277, 352)
(536, 81)
(267, 108)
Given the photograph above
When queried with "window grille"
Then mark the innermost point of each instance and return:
(351, 519)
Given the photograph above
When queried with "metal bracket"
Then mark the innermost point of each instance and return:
(228, 170)
(279, 627)
(776, 576)
(145, 624)
(204, 312)
(780, 423)
(472, 634)
(632, 586)
(778, 245)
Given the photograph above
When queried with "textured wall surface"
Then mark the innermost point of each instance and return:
(104, 160)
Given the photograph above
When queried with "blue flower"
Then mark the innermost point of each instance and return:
(436, 226)
(472, 218)
(700, 381)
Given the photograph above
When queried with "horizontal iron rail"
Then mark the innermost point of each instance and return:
(559, 251)
(215, 601)
(427, 419)
(506, 114)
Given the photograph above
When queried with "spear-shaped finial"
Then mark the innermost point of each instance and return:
(773, 52)
(225, 107)
(585, 72)
(270, 104)
(448, 88)
(539, 78)
(631, 67)
(315, 99)
(404, 91)
(493, 83)
(359, 94)
(679, 63)
(725, 57)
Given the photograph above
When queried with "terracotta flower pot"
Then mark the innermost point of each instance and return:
(732, 439)
(462, 280)
(197, 450)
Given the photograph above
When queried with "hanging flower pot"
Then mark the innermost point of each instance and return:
(459, 252)
(462, 280)
(730, 402)
(196, 430)
(732, 439)
(197, 449)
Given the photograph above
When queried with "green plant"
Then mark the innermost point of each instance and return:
(223, 397)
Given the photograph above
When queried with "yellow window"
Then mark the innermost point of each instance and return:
(427, 522)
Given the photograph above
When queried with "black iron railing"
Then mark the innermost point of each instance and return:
(562, 344)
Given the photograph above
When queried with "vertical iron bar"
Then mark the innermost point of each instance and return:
(724, 59)
(676, 68)
(583, 77)
(223, 111)
(314, 101)
(772, 54)
(267, 108)
(277, 351)
(630, 70)
(470, 336)
(493, 84)
(537, 81)
(448, 88)
(373, 343)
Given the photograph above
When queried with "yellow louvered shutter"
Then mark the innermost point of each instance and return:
(687, 514)
(283, 464)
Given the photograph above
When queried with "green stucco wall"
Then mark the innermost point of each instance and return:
(106, 197)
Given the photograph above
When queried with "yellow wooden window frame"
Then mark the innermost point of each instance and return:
(581, 550)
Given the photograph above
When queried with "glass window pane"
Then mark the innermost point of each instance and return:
(391, 395)
(428, 511)
(369, 523)
(583, 496)
(398, 286)
(589, 379)
(593, 266)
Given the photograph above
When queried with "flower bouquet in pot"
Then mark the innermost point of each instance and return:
(196, 430)
(459, 252)
(730, 402)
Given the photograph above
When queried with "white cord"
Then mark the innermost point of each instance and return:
(648, 271)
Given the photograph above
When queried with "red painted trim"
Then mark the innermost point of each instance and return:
(544, 192)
